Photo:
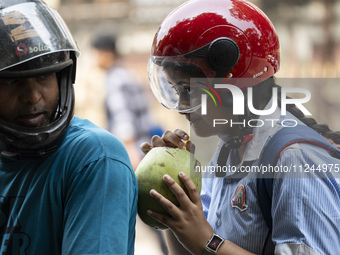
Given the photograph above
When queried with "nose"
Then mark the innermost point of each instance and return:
(183, 100)
(31, 91)
(188, 103)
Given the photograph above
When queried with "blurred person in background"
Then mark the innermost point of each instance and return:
(126, 102)
(66, 186)
(128, 115)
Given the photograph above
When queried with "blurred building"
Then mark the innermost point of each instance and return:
(309, 32)
(136, 22)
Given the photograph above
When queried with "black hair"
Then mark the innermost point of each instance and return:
(105, 42)
(262, 93)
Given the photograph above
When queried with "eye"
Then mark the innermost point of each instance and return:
(9, 81)
(44, 76)
(183, 88)
(45, 79)
(175, 88)
(191, 91)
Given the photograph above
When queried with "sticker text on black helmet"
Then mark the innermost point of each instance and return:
(23, 30)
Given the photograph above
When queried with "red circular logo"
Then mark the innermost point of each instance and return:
(21, 50)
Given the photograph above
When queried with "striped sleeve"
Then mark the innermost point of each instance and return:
(305, 206)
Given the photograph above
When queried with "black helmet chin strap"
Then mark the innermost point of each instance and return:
(246, 131)
(245, 136)
(233, 143)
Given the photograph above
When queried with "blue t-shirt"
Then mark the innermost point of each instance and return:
(80, 200)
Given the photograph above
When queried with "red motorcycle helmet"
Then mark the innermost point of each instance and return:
(223, 38)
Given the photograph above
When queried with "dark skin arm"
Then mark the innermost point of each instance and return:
(188, 218)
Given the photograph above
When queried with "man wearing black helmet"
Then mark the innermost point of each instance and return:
(66, 186)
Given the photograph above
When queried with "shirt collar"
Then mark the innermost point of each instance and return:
(271, 124)
(261, 134)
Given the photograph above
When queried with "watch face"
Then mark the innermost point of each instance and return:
(215, 242)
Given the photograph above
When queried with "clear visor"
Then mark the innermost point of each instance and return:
(173, 82)
(31, 30)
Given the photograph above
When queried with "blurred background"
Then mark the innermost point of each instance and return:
(309, 32)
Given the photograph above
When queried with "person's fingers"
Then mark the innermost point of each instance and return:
(191, 188)
(181, 134)
(145, 147)
(189, 146)
(176, 139)
(177, 190)
(173, 140)
(157, 141)
(165, 220)
(172, 209)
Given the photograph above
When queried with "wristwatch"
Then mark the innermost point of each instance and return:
(213, 245)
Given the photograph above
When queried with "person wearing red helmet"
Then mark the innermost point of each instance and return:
(66, 185)
(231, 48)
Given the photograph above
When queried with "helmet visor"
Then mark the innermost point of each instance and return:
(173, 83)
(30, 30)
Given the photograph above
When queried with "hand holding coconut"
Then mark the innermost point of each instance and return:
(168, 197)
(160, 162)
(165, 156)
(187, 221)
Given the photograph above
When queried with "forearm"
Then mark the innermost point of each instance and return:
(226, 248)
(173, 245)
(229, 248)
(188, 222)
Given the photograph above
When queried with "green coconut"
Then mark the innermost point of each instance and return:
(157, 162)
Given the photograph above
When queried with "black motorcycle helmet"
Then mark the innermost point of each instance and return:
(35, 41)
